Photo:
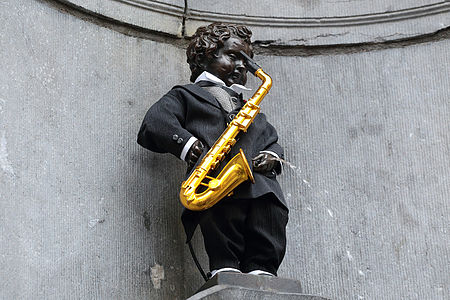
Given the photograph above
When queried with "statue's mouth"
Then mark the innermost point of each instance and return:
(236, 76)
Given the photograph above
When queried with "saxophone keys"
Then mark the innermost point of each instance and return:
(246, 115)
(239, 125)
(252, 105)
(214, 184)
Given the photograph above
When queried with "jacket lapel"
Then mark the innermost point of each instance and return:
(199, 92)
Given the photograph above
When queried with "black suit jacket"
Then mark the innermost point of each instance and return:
(189, 110)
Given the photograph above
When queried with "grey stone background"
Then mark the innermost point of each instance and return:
(87, 214)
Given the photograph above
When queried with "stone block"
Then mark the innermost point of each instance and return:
(245, 286)
(162, 16)
(294, 23)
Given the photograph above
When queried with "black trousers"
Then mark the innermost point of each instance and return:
(246, 234)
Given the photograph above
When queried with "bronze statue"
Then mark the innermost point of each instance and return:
(237, 169)
(246, 230)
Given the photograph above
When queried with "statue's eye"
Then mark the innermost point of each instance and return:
(233, 56)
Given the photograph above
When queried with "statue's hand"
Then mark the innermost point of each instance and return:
(194, 153)
(265, 163)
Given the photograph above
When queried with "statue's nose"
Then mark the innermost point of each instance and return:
(240, 65)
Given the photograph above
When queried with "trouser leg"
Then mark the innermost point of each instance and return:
(265, 235)
(222, 228)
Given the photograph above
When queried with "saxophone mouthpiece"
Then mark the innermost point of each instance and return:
(251, 65)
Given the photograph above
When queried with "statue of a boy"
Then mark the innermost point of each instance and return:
(245, 232)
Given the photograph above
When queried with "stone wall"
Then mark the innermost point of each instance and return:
(363, 116)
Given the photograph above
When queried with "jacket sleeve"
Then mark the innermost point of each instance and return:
(276, 148)
(272, 144)
(162, 129)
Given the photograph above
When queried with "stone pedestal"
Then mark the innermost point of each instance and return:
(244, 286)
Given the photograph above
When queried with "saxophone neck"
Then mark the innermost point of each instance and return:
(266, 79)
(256, 70)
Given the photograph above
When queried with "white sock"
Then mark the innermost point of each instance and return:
(214, 272)
(260, 272)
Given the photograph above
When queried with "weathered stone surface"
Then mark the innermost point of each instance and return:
(244, 286)
(164, 16)
(289, 22)
(369, 135)
(82, 207)
(226, 293)
(307, 8)
(264, 283)
(292, 23)
(85, 213)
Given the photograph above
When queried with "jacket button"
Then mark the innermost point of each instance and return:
(175, 137)
(179, 141)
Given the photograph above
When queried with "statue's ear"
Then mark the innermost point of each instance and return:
(203, 63)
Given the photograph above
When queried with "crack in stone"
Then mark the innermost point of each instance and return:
(183, 24)
(276, 49)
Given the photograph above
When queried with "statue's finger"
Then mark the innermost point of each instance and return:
(258, 157)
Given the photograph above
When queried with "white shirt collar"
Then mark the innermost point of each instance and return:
(206, 76)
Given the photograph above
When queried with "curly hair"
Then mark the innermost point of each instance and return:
(208, 39)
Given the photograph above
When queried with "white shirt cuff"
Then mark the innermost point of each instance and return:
(187, 146)
(270, 152)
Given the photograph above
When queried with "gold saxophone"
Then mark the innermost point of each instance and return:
(237, 169)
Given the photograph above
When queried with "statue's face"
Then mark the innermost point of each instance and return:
(228, 64)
